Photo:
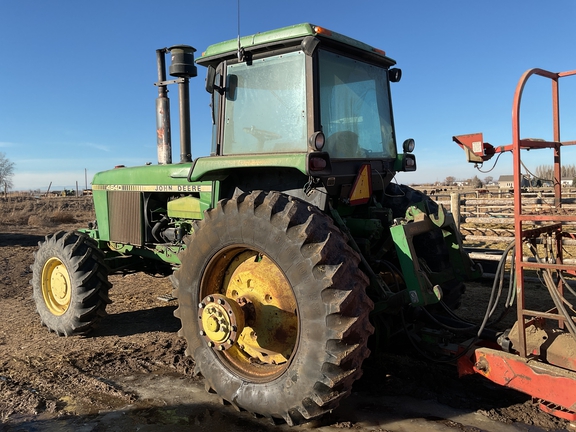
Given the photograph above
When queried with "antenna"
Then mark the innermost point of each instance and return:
(240, 53)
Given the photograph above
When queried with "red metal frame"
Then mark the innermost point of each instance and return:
(527, 370)
(522, 219)
(553, 387)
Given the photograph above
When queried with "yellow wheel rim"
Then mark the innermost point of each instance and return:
(250, 289)
(56, 286)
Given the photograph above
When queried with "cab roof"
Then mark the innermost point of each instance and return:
(286, 37)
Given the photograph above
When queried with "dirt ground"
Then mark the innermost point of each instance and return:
(132, 374)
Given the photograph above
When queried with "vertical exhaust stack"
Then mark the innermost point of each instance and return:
(163, 135)
(183, 67)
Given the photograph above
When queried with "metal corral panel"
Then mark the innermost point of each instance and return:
(125, 217)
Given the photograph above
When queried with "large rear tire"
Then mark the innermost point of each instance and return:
(273, 306)
(70, 283)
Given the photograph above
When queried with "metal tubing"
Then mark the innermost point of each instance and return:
(516, 143)
(163, 139)
(185, 141)
(163, 134)
(520, 217)
(556, 127)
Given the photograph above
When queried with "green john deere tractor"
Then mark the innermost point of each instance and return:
(289, 243)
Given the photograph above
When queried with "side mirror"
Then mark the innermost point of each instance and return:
(232, 85)
(210, 77)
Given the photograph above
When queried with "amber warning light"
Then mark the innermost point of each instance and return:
(322, 30)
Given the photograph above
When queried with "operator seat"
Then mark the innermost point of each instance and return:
(344, 144)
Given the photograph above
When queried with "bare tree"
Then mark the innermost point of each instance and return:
(449, 181)
(475, 182)
(488, 180)
(6, 172)
(546, 172)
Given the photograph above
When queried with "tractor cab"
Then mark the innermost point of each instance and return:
(310, 93)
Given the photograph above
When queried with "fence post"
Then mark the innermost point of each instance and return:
(455, 208)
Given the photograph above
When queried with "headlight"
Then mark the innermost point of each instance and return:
(408, 145)
(317, 141)
(394, 75)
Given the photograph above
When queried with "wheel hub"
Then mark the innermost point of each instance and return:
(221, 321)
(59, 284)
(56, 286)
(267, 300)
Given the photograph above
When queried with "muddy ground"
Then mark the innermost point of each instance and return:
(132, 374)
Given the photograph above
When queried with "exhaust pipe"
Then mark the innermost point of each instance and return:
(183, 67)
(163, 135)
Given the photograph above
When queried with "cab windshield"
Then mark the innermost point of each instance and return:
(355, 108)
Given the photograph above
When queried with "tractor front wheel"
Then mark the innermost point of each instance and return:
(70, 283)
(273, 306)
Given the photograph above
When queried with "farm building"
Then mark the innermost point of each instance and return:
(507, 182)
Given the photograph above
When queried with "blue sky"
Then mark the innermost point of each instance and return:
(77, 76)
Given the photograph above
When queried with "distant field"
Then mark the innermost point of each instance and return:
(24, 210)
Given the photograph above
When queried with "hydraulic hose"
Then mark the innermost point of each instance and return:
(556, 297)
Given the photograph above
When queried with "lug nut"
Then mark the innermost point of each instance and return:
(202, 333)
(221, 302)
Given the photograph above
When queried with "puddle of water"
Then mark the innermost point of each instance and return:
(168, 403)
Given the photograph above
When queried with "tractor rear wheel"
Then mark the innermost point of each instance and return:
(70, 283)
(273, 306)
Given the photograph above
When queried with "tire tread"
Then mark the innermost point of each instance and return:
(332, 269)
